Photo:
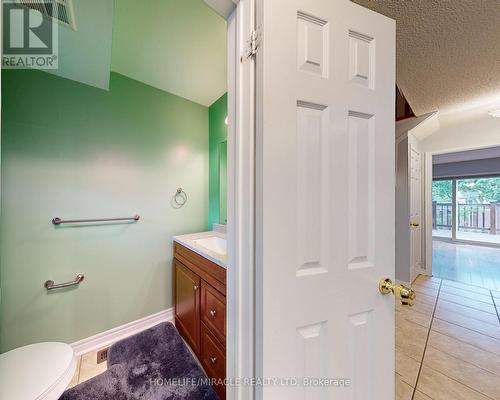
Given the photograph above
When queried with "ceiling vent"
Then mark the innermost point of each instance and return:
(61, 11)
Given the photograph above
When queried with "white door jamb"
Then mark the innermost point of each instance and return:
(240, 18)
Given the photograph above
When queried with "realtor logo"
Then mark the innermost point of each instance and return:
(29, 38)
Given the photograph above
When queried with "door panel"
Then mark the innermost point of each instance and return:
(325, 199)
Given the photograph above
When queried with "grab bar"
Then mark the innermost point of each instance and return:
(59, 221)
(49, 285)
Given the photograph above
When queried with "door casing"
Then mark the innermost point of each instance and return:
(240, 17)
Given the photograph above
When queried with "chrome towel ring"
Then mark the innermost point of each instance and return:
(180, 197)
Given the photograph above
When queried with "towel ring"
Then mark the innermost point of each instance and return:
(180, 197)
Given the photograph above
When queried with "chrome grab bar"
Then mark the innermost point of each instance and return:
(59, 221)
(49, 285)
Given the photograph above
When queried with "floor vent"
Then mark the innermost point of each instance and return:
(61, 11)
(102, 355)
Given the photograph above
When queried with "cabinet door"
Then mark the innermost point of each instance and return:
(187, 304)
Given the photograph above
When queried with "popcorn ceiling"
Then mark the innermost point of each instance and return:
(448, 51)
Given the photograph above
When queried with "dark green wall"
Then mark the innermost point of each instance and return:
(217, 113)
(74, 151)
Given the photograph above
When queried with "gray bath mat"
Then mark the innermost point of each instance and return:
(153, 365)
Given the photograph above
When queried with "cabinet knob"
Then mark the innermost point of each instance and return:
(213, 360)
(212, 313)
(195, 287)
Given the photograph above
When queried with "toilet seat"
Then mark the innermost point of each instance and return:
(39, 371)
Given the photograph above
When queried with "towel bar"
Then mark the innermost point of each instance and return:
(59, 221)
(49, 285)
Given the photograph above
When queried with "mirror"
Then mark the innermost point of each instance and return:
(223, 182)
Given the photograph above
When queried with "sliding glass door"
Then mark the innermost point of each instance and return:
(442, 208)
(467, 209)
(477, 209)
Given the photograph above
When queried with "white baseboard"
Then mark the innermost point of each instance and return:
(109, 337)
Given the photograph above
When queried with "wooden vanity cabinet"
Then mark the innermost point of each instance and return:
(200, 310)
(187, 304)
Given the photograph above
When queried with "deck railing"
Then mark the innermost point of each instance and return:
(471, 217)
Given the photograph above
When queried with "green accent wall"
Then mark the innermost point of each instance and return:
(217, 113)
(223, 182)
(74, 151)
(179, 46)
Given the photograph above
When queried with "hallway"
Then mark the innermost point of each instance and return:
(448, 343)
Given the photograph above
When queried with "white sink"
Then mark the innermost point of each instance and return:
(213, 243)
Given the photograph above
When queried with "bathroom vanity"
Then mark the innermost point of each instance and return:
(199, 297)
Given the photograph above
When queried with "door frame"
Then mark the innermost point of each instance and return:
(427, 206)
(240, 17)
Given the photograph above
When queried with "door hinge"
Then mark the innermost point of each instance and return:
(253, 44)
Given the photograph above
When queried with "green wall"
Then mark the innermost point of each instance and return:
(74, 151)
(217, 113)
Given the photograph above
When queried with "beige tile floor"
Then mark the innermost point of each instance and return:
(87, 368)
(448, 344)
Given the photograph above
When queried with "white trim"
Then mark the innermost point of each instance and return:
(111, 336)
(240, 339)
(427, 234)
(428, 194)
(419, 271)
(241, 203)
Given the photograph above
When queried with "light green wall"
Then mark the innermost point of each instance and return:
(74, 151)
(218, 133)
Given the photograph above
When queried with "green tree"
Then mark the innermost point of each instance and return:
(480, 190)
(441, 191)
(477, 190)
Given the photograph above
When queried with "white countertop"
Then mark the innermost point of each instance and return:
(189, 242)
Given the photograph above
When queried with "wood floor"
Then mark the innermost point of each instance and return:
(448, 344)
(474, 265)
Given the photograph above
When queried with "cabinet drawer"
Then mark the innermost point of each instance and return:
(213, 359)
(213, 311)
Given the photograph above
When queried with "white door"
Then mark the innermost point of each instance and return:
(415, 207)
(325, 199)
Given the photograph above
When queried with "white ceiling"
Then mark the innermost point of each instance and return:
(469, 155)
(175, 45)
(448, 51)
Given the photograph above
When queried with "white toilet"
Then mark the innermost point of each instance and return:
(39, 371)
